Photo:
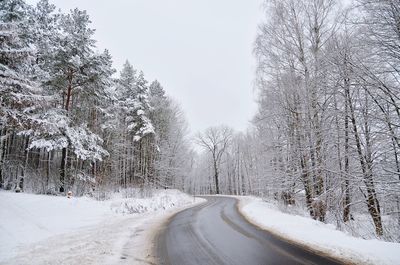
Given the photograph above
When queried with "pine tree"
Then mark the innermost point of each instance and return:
(16, 58)
(78, 77)
(18, 93)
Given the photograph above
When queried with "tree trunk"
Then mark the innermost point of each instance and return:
(366, 166)
(25, 167)
(63, 169)
(3, 148)
(216, 176)
(346, 201)
(47, 171)
(64, 153)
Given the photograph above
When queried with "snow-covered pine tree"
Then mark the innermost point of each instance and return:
(18, 94)
(123, 147)
(160, 115)
(138, 116)
(171, 154)
(77, 77)
(44, 33)
(143, 131)
(137, 131)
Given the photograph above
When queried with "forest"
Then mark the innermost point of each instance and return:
(325, 140)
(326, 135)
(69, 121)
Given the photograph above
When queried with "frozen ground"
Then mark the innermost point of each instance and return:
(319, 236)
(39, 229)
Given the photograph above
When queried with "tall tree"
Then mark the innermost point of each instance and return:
(19, 94)
(215, 140)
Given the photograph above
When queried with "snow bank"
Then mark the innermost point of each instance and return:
(160, 199)
(317, 235)
(26, 219)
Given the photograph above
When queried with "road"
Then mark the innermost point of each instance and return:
(216, 233)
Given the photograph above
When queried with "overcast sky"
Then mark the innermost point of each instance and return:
(199, 50)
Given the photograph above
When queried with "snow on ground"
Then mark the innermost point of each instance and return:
(318, 236)
(40, 229)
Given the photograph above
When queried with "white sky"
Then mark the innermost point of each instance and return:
(199, 50)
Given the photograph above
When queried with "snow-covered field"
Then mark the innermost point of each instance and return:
(318, 236)
(40, 229)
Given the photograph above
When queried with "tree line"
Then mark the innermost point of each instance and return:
(68, 121)
(326, 134)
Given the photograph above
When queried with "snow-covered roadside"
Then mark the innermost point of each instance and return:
(318, 236)
(38, 229)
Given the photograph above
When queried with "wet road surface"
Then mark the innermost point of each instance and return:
(215, 233)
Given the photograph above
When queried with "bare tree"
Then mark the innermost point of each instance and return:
(215, 140)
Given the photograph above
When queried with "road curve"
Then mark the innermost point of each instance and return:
(216, 233)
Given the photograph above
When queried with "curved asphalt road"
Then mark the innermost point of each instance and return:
(215, 233)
